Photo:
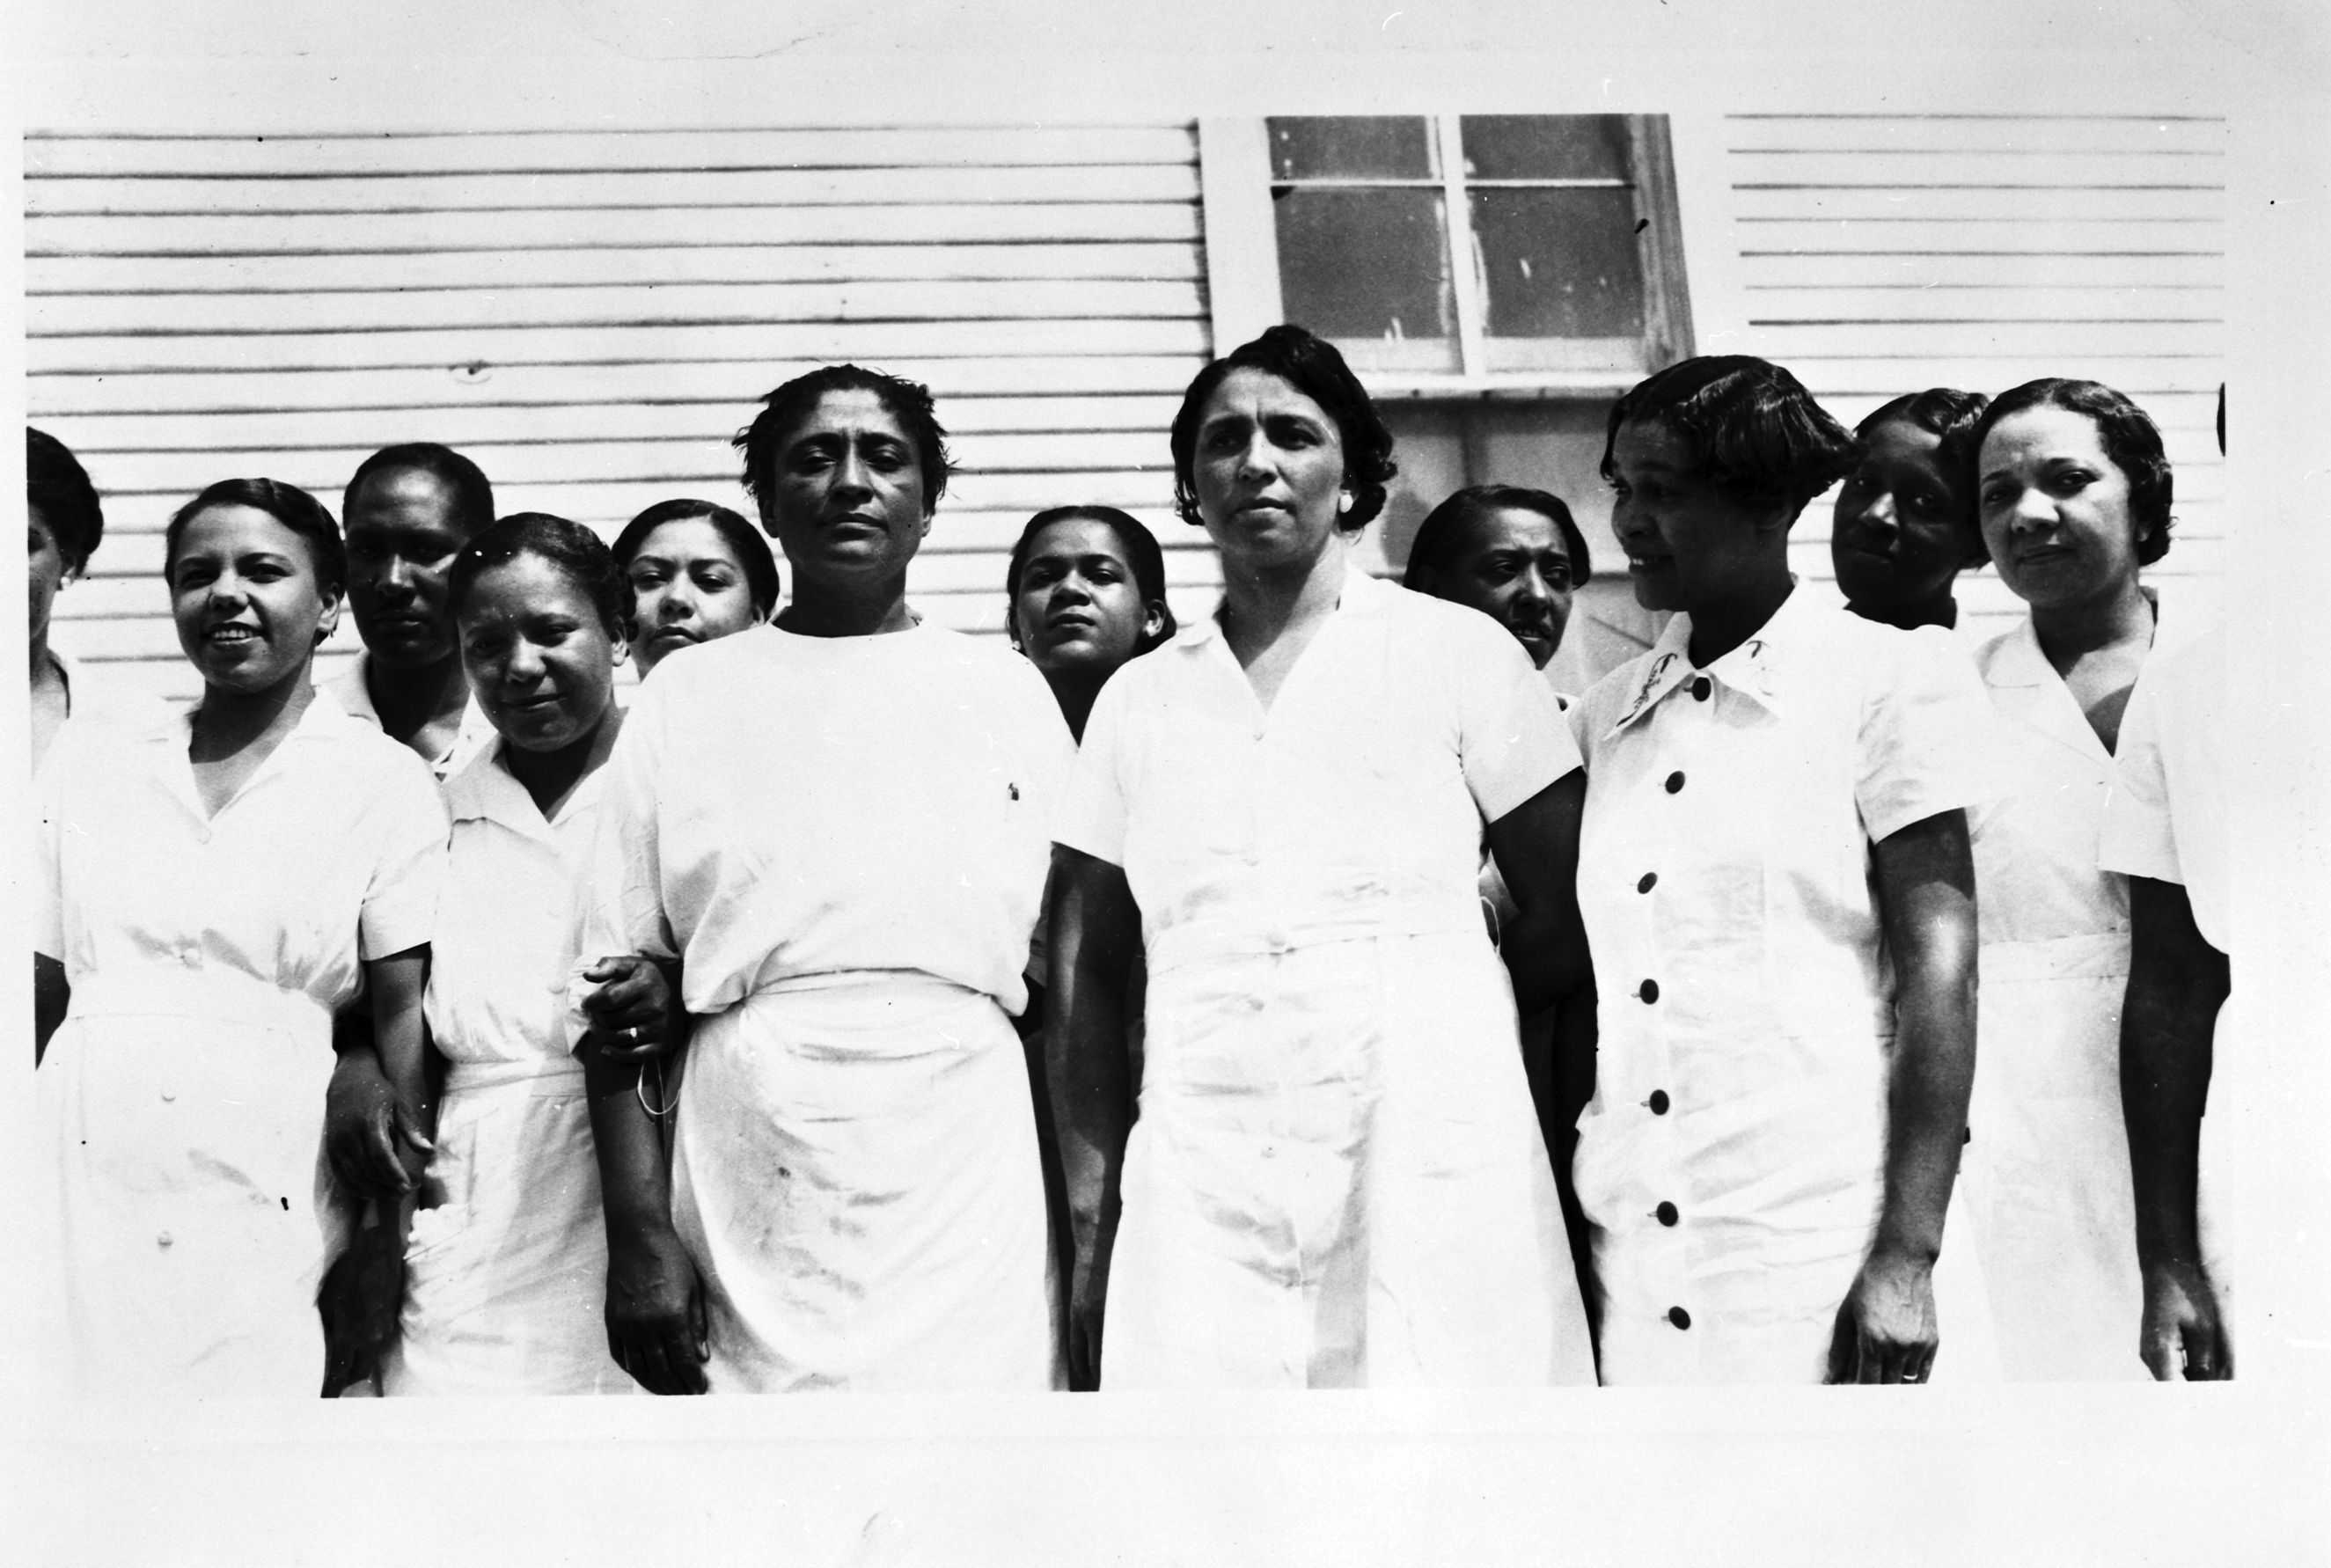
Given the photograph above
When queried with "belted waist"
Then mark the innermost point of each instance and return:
(214, 992)
(870, 1013)
(544, 1076)
(2095, 955)
(1205, 937)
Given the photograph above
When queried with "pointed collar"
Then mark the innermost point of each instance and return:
(1757, 669)
(1363, 596)
(484, 789)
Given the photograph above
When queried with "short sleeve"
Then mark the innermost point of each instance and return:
(1091, 816)
(47, 890)
(409, 834)
(1928, 735)
(619, 905)
(2140, 836)
(1513, 737)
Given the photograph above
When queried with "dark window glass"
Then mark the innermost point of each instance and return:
(1352, 147)
(1560, 263)
(1366, 264)
(1540, 147)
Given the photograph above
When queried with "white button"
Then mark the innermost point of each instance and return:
(1270, 1151)
(169, 1094)
(191, 957)
(163, 1239)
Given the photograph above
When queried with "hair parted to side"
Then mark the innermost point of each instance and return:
(1312, 366)
(1757, 436)
(55, 482)
(569, 546)
(290, 505)
(1141, 553)
(2128, 435)
(909, 402)
(743, 539)
(1444, 526)
(1950, 416)
(473, 496)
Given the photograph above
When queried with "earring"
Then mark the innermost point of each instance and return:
(1344, 503)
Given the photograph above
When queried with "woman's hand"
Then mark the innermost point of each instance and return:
(2182, 1334)
(1885, 1330)
(655, 1310)
(372, 1139)
(635, 1011)
(362, 1297)
(1088, 1297)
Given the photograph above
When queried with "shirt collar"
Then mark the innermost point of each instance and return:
(352, 691)
(1757, 669)
(1363, 596)
(484, 789)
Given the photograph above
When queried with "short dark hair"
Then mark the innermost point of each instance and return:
(1445, 525)
(1141, 553)
(752, 551)
(1949, 415)
(473, 497)
(1313, 368)
(2129, 439)
(570, 547)
(1755, 433)
(909, 402)
(55, 482)
(290, 505)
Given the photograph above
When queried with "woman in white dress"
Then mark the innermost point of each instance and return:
(1336, 1177)
(2073, 490)
(1776, 883)
(699, 573)
(507, 1260)
(838, 824)
(211, 887)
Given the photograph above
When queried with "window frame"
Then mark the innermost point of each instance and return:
(1242, 245)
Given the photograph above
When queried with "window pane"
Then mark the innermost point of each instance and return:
(1369, 266)
(1560, 263)
(1521, 147)
(1313, 146)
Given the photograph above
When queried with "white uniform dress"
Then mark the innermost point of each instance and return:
(2047, 1168)
(505, 1276)
(181, 1105)
(2167, 818)
(845, 840)
(351, 690)
(1337, 1178)
(1731, 1161)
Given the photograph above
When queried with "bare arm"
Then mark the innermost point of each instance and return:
(1095, 933)
(1536, 846)
(2176, 983)
(655, 1317)
(52, 996)
(1885, 1329)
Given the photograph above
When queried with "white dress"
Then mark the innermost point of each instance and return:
(507, 1273)
(1731, 1160)
(1337, 1178)
(181, 1103)
(351, 689)
(846, 839)
(2048, 1166)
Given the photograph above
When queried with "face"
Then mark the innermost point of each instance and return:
(540, 663)
(845, 497)
(403, 533)
(1079, 606)
(245, 594)
(1896, 535)
(1267, 470)
(1511, 565)
(44, 572)
(2055, 509)
(1686, 544)
(691, 588)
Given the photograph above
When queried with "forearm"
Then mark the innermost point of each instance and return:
(52, 999)
(1092, 1091)
(1545, 950)
(400, 1040)
(636, 1190)
(2167, 1028)
(1931, 1077)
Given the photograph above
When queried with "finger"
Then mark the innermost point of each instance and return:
(2162, 1356)
(607, 969)
(408, 1128)
(681, 1361)
(380, 1151)
(1843, 1338)
(699, 1319)
(2200, 1353)
(642, 1357)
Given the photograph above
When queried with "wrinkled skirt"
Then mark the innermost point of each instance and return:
(856, 1175)
(1337, 1180)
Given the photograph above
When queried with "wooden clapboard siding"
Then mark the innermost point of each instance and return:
(1876, 255)
(592, 316)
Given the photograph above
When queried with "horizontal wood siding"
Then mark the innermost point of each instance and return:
(1878, 256)
(592, 315)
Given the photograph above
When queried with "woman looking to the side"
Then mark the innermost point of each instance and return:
(1336, 1177)
(2074, 493)
(506, 1264)
(699, 573)
(1775, 875)
(211, 887)
(1904, 526)
(1512, 553)
(839, 827)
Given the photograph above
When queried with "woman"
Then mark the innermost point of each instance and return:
(63, 523)
(1514, 554)
(855, 1198)
(1085, 591)
(1337, 1178)
(216, 883)
(2074, 492)
(1904, 524)
(1774, 874)
(697, 572)
(506, 1265)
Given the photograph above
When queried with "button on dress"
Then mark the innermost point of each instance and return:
(1336, 1177)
